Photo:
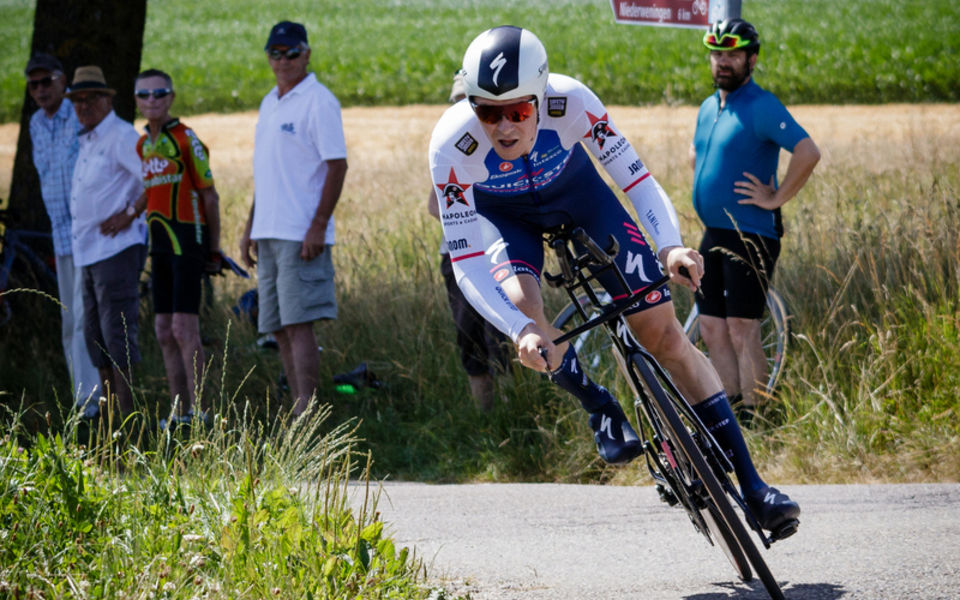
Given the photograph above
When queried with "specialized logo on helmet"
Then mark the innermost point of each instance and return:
(496, 65)
(600, 129)
(453, 190)
(502, 60)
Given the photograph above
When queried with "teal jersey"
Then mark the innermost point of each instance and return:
(745, 136)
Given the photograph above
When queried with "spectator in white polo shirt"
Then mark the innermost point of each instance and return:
(108, 246)
(299, 163)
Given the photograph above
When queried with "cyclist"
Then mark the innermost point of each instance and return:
(740, 130)
(507, 166)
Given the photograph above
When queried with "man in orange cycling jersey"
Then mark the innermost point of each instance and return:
(183, 217)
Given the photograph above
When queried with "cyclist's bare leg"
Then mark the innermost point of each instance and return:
(658, 330)
(753, 369)
(173, 365)
(716, 335)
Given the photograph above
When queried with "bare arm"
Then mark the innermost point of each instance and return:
(804, 158)
(211, 208)
(313, 242)
(246, 244)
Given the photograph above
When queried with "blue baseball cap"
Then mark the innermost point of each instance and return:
(286, 33)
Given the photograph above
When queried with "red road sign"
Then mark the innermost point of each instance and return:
(664, 13)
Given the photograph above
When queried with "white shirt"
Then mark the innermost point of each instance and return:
(106, 179)
(296, 135)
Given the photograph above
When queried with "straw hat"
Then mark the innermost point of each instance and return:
(89, 79)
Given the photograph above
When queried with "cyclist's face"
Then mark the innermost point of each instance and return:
(510, 140)
(731, 68)
(151, 107)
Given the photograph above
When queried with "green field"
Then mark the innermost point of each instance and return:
(404, 51)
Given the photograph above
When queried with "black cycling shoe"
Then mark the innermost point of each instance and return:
(616, 440)
(775, 512)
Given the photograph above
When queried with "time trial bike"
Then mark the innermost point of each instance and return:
(687, 466)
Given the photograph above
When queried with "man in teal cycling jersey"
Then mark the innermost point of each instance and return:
(736, 147)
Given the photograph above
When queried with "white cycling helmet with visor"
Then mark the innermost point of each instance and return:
(505, 63)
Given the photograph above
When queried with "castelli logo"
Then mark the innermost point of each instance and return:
(501, 274)
(653, 297)
(505, 166)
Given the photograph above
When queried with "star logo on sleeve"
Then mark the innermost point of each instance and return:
(453, 190)
(600, 129)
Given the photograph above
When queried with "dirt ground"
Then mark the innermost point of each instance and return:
(387, 146)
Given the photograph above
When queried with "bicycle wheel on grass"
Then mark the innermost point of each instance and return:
(774, 335)
(696, 481)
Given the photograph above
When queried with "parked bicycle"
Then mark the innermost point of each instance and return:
(21, 268)
(593, 347)
(684, 460)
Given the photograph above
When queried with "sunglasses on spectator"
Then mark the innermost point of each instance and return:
(42, 82)
(517, 112)
(727, 41)
(157, 93)
(290, 54)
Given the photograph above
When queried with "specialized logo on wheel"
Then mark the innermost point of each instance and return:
(600, 129)
(453, 190)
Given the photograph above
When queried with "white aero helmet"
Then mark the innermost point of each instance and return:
(504, 63)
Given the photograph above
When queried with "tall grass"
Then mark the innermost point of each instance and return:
(241, 509)
(868, 269)
(377, 52)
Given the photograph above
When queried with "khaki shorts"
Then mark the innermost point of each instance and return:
(291, 290)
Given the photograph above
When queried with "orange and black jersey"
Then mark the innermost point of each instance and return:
(175, 166)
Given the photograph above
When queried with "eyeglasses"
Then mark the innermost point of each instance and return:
(157, 93)
(517, 112)
(42, 82)
(727, 41)
(290, 54)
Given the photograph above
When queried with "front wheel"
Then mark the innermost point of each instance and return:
(692, 479)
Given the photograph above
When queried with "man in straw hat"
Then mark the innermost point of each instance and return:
(111, 251)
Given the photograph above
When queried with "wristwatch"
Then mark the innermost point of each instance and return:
(131, 211)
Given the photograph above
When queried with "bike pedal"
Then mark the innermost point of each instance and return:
(785, 530)
(666, 496)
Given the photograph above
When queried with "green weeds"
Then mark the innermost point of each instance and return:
(230, 511)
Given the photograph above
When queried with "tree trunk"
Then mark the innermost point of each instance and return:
(108, 33)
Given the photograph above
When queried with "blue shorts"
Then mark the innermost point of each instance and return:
(513, 228)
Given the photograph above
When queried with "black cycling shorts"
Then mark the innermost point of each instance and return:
(176, 283)
(737, 271)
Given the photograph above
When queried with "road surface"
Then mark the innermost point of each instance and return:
(574, 542)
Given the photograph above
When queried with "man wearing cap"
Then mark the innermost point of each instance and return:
(107, 181)
(734, 154)
(53, 134)
(299, 163)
